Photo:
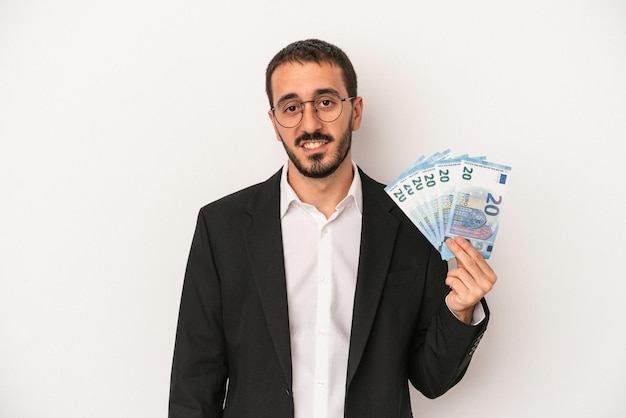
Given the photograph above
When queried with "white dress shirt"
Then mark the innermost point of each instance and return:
(321, 262)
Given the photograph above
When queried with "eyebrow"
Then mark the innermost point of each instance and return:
(318, 92)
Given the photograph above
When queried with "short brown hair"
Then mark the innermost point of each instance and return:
(312, 50)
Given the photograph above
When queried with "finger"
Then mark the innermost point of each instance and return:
(464, 293)
(470, 259)
(455, 282)
(463, 250)
(469, 288)
(461, 281)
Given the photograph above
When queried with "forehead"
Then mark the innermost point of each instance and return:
(303, 80)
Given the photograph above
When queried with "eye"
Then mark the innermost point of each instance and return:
(326, 103)
(290, 108)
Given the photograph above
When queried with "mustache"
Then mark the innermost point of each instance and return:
(312, 137)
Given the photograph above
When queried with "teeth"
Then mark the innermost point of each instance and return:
(312, 145)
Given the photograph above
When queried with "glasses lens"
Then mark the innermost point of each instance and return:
(328, 108)
(289, 113)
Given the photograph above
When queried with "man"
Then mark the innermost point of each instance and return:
(311, 294)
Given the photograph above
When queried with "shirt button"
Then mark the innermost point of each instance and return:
(322, 331)
(320, 384)
(325, 231)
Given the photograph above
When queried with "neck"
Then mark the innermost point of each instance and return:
(323, 193)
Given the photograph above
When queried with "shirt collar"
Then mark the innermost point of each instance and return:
(288, 195)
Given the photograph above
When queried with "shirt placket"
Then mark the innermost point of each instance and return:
(323, 323)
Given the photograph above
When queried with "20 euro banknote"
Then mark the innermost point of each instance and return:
(446, 196)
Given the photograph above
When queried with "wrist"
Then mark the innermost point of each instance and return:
(464, 315)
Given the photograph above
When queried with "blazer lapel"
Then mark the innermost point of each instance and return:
(263, 238)
(377, 241)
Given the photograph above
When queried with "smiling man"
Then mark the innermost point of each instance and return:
(311, 294)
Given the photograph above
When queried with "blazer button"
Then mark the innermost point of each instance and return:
(288, 392)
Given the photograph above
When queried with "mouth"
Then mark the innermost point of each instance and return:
(313, 145)
(313, 142)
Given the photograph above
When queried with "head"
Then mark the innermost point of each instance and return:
(301, 73)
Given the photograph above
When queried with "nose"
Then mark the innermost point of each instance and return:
(310, 122)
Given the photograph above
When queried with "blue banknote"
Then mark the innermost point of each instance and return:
(446, 196)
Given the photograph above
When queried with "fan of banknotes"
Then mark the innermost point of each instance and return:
(447, 196)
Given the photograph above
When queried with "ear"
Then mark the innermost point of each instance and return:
(271, 115)
(357, 112)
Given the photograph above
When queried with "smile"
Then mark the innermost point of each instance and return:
(313, 144)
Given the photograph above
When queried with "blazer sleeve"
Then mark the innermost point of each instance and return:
(441, 355)
(199, 368)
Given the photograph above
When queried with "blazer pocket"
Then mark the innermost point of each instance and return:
(401, 277)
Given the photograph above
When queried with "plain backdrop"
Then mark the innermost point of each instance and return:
(119, 119)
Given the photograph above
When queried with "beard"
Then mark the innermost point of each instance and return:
(317, 168)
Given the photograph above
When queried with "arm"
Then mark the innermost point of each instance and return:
(199, 368)
(442, 351)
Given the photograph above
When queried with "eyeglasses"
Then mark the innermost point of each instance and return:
(327, 107)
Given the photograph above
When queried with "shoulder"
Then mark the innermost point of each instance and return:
(241, 200)
(374, 192)
(370, 183)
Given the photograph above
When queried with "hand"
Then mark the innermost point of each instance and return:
(470, 281)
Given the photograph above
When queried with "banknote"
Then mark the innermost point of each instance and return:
(410, 190)
(476, 208)
(446, 196)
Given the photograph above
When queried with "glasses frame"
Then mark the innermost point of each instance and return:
(273, 109)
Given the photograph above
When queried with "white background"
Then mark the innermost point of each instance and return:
(120, 119)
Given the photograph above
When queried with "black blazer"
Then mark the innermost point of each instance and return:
(232, 353)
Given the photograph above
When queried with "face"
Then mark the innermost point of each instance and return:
(315, 148)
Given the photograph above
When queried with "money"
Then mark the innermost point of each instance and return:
(447, 196)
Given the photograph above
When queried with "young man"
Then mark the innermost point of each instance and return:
(311, 294)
